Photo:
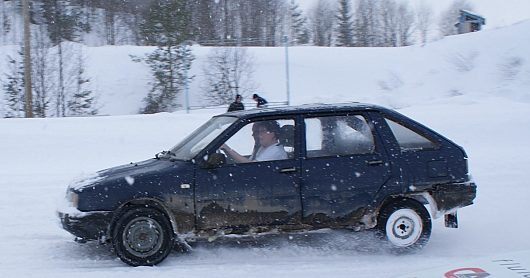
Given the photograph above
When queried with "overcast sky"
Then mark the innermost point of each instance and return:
(497, 12)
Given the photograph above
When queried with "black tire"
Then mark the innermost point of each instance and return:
(405, 224)
(143, 236)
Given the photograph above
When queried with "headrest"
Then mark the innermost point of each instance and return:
(287, 135)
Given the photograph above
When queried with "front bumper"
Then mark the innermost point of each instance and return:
(87, 226)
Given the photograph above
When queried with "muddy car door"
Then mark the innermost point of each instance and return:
(251, 189)
(344, 167)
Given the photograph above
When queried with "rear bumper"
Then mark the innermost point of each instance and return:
(86, 226)
(452, 196)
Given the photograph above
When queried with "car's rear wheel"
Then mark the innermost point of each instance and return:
(405, 224)
(143, 236)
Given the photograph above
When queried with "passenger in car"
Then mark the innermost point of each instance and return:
(267, 134)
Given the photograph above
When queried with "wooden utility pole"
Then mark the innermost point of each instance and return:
(27, 60)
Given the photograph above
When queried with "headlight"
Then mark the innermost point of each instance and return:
(72, 198)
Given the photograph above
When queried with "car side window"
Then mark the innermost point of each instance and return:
(338, 135)
(263, 141)
(408, 139)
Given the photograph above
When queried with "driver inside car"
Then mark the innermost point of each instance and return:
(267, 136)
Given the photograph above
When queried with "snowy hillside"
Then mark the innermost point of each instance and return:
(492, 62)
(472, 65)
(473, 88)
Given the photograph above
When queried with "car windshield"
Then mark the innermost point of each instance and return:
(188, 148)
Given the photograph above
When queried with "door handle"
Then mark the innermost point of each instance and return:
(288, 170)
(375, 162)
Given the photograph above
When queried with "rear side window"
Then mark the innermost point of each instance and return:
(408, 139)
(338, 135)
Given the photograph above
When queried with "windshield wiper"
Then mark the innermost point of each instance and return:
(161, 154)
(164, 154)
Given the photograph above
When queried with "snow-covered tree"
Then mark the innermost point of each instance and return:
(424, 16)
(13, 86)
(44, 73)
(64, 25)
(322, 21)
(299, 32)
(228, 72)
(382, 23)
(203, 20)
(170, 67)
(404, 24)
(82, 102)
(388, 16)
(367, 24)
(62, 21)
(168, 27)
(344, 28)
(52, 96)
(5, 23)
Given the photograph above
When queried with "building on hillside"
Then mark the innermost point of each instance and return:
(469, 22)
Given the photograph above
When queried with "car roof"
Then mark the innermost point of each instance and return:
(304, 109)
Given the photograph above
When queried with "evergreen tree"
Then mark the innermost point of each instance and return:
(405, 24)
(382, 23)
(299, 31)
(322, 20)
(388, 18)
(344, 24)
(423, 21)
(167, 25)
(132, 16)
(367, 24)
(44, 79)
(111, 16)
(5, 23)
(83, 101)
(62, 20)
(14, 89)
(203, 21)
(228, 22)
(170, 67)
(251, 17)
(273, 20)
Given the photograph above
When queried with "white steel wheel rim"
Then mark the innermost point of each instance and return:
(404, 227)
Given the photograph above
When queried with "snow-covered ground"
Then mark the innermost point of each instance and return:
(475, 89)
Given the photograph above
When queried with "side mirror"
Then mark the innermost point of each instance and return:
(215, 160)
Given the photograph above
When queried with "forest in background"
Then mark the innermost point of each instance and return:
(361, 23)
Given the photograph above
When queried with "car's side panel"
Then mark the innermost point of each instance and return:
(337, 189)
(251, 194)
(446, 163)
(172, 187)
(166, 182)
(340, 198)
(177, 193)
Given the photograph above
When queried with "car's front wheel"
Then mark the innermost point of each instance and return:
(143, 237)
(405, 224)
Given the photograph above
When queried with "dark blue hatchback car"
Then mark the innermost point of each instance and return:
(293, 169)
